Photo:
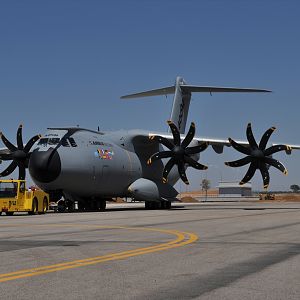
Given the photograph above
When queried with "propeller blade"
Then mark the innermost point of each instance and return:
(275, 149)
(19, 155)
(277, 164)
(162, 140)
(265, 175)
(9, 169)
(240, 162)
(6, 156)
(170, 164)
(250, 137)
(249, 174)
(189, 137)
(194, 163)
(175, 132)
(179, 153)
(265, 138)
(239, 147)
(19, 138)
(22, 171)
(31, 143)
(159, 155)
(7, 143)
(196, 149)
(181, 171)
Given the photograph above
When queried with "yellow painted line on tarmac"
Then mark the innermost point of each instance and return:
(182, 239)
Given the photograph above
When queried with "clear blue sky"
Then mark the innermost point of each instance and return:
(67, 62)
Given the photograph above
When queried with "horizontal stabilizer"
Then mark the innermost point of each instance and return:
(216, 89)
(193, 88)
(156, 92)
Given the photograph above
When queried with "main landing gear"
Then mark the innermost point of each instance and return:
(158, 204)
(86, 205)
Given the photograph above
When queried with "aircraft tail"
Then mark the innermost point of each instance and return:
(182, 97)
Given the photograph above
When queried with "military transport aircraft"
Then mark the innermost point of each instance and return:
(91, 167)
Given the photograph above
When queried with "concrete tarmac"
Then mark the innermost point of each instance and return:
(197, 251)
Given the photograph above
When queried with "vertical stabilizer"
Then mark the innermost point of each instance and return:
(181, 103)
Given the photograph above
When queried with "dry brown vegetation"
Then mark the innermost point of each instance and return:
(288, 197)
(190, 196)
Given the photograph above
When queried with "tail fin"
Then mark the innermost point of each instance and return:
(182, 97)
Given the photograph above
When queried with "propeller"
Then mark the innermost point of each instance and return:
(259, 157)
(18, 154)
(179, 152)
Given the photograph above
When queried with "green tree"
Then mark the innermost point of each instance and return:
(295, 188)
(205, 185)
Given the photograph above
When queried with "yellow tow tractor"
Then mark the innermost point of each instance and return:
(14, 197)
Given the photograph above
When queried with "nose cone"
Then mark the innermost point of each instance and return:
(44, 166)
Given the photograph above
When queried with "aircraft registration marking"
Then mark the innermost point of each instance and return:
(182, 239)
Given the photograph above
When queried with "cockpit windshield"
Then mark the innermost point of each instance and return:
(48, 141)
(8, 189)
(66, 142)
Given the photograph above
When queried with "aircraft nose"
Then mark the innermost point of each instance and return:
(44, 166)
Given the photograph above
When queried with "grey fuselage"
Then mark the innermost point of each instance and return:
(93, 164)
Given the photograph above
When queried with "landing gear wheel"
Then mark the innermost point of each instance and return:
(150, 205)
(102, 206)
(168, 205)
(80, 206)
(157, 205)
(45, 206)
(34, 208)
(61, 206)
(9, 213)
(163, 204)
(153, 205)
(69, 205)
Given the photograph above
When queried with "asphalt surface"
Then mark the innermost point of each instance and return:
(200, 251)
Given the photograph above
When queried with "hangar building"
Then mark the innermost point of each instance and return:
(233, 189)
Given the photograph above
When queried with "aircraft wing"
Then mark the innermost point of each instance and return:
(216, 143)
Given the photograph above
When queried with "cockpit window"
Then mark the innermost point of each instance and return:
(47, 141)
(43, 142)
(53, 141)
(66, 142)
(72, 142)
